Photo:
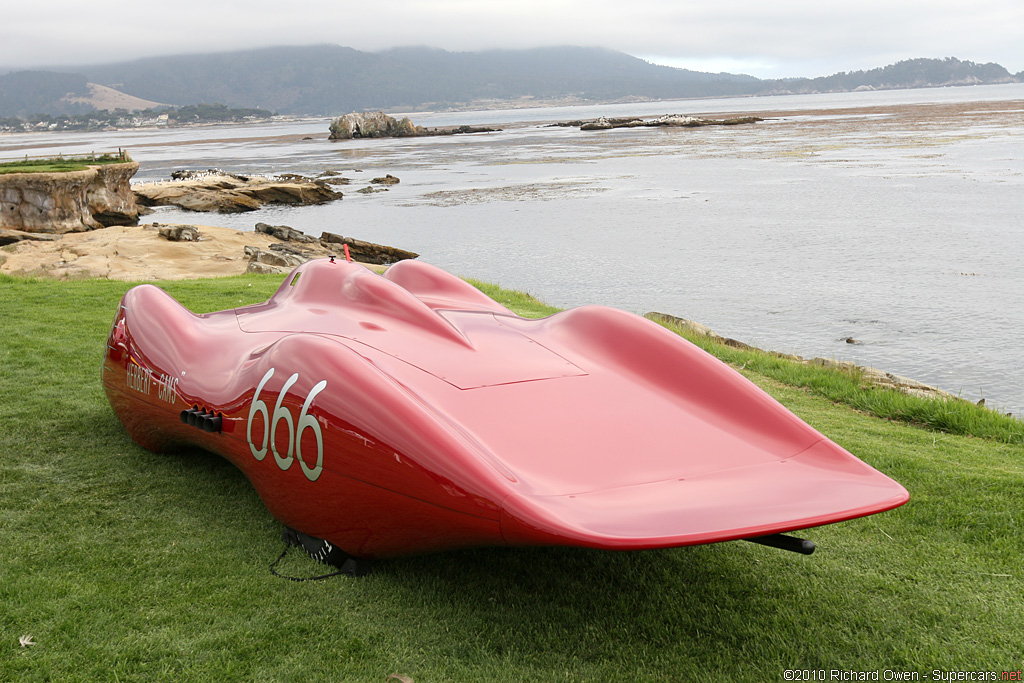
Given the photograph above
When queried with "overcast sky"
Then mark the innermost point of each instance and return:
(764, 39)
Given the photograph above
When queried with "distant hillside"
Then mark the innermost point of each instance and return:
(911, 73)
(107, 99)
(40, 92)
(328, 79)
(331, 80)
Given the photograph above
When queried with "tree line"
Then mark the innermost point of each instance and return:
(122, 118)
(333, 80)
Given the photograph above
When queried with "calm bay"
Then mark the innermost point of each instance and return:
(892, 218)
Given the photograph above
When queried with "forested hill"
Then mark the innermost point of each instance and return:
(329, 79)
(911, 73)
(32, 92)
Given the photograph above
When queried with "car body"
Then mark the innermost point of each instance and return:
(409, 413)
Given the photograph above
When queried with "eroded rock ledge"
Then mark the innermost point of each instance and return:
(72, 201)
(380, 125)
(667, 121)
(232, 193)
(296, 247)
(174, 251)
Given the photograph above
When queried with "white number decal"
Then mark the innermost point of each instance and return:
(307, 421)
(281, 413)
(259, 406)
(270, 423)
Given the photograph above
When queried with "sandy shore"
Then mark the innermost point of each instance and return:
(133, 253)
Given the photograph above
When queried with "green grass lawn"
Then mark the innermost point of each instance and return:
(61, 164)
(124, 565)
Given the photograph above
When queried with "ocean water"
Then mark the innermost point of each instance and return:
(894, 218)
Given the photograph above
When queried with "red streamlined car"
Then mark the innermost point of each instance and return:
(387, 415)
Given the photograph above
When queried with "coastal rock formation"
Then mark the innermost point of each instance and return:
(110, 196)
(228, 193)
(371, 125)
(459, 130)
(9, 236)
(73, 201)
(379, 125)
(142, 253)
(285, 233)
(296, 247)
(274, 260)
(669, 120)
(366, 252)
(179, 233)
(904, 384)
(333, 178)
(132, 253)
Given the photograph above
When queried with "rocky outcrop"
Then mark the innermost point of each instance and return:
(111, 199)
(333, 178)
(179, 233)
(285, 233)
(669, 121)
(9, 236)
(903, 384)
(379, 125)
(142, 253)
(366, 252)
(73, 201)
(371, 125)
(275, 260)
(132, 253)
(296, 247)
(228, 193)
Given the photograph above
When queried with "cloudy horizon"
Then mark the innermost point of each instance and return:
(799, 39)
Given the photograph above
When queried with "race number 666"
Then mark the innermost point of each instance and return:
(272, 421)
